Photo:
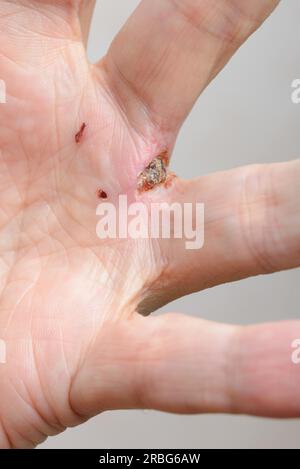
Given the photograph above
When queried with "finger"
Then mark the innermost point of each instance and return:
(169, 50)
(185, 365)
(251, 227)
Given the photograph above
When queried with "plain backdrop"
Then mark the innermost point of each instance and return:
(245, 116)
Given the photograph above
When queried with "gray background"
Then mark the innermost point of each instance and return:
(253, 97)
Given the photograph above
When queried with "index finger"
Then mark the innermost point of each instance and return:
(169, 50)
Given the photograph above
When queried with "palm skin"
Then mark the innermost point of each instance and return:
(59, 282)
(68, 300)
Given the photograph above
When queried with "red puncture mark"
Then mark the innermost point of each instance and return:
(101, 194)
(79, 134)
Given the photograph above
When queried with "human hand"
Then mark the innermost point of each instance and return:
(76, 344)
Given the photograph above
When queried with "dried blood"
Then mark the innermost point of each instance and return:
(79, 134)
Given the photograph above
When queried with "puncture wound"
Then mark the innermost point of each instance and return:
(154, 174)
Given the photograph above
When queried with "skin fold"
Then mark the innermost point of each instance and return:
(70, 302)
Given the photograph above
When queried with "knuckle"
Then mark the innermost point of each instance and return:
(224, 20)
(258, 217)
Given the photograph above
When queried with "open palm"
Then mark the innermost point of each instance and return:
(70, 302)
